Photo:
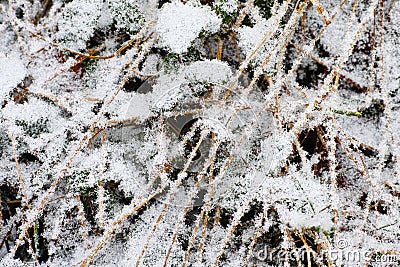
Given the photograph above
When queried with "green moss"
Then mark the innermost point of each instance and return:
(127, 16)
(77, 183)
(191, 55)
(318, 229)
(226, 17)
(171, 62)
(91, 65)
(265, 7)
(34, 129)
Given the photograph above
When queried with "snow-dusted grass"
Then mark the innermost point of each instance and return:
(226, 133)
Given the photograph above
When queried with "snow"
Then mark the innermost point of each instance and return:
(79, 21)
(179, 24)
(228, 6)
(12, 72)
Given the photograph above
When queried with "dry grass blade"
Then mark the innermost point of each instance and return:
(45, 198)
(21, 179)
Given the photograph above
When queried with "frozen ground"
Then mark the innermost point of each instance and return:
(199, 133)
